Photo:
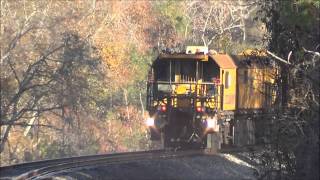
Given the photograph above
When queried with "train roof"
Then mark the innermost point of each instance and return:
(251, 62)
(201, 57)
(224, 61)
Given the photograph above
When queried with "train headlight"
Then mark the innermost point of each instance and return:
(211, 123)
(150, 121)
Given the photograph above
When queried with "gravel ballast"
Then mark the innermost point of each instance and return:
(221, 166)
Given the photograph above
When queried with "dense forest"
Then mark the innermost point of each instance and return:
(73, 73)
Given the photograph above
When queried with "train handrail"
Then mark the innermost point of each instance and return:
(203, 95)
(187, 82)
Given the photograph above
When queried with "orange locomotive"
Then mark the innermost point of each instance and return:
(196, 99)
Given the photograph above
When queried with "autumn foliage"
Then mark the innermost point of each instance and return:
(73, 73)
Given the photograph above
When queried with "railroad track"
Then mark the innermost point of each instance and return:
(47, 168)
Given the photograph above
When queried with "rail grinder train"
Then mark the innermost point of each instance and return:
(205, 99)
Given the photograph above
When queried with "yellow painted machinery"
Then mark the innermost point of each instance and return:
(193, 97)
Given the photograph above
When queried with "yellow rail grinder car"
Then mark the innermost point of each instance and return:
(194, 98)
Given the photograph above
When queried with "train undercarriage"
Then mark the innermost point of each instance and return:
(190, 127)
(183, 120)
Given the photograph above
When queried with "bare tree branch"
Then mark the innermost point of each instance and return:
(277, 57)
(311, 52)
(205, 26)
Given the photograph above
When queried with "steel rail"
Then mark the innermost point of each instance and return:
(41, 163)
(46, 168)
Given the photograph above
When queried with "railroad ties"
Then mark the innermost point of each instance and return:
(47, 168)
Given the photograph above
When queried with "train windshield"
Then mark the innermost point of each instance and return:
(210, 70)
(176, 70)
(185, 70)
(162, 71)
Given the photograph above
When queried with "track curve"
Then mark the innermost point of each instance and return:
(46, 168)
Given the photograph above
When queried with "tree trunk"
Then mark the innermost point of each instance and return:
(284, 86)
(5, 138)
(126, 102)
(142, 107)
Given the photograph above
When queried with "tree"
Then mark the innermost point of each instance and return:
(45, 67)
(294, 35)
(47, 85)
(61, 65)
(217, 24)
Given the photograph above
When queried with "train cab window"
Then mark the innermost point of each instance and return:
(210, 71)
(162, 71)
(227, 80)
(186, 69)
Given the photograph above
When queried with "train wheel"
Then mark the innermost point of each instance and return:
(164, 140)
(160, 142)
(156, 144)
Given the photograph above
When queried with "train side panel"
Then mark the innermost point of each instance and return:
(229, 77)
(256, 85)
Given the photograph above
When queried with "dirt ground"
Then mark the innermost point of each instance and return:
(216, 167)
